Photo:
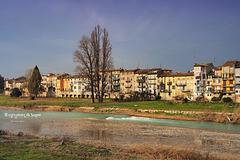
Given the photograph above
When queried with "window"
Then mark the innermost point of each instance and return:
(187, 81)
(128, 78)
(123, 78)
(224, 69)
(192, 81)
(178, 81)
(183, 81)
(230, 69)
(188, 87)
(179, 87)
(214, 81)
(191, 87)
(230, 75)
(173, 87)
(198, 89)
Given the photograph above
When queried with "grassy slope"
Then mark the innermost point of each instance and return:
(71, 102)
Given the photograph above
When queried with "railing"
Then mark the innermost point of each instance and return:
(141, 80)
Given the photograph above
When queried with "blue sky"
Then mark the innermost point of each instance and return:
(151, 33)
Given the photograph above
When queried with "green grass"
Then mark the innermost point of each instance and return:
(22, 152)
(75, 102)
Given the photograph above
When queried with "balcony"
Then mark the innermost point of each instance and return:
(152, 83)
(186, 90)
(181, 84)
(116, 79)
(152, 79)
(141, 80)
(115, 84)
(128, 81)
(169, 83)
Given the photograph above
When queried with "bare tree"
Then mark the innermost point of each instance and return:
(94, 58)
(106, 61)
(95, 44)
(85, 58)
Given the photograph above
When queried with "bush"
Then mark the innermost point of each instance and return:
(158, 97)
(227, 99)
(215, 99)
(185, 100)
(16, 93)
(1, 90)
(220, 96)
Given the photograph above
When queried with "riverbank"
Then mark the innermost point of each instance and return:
(209, 116)
(100, 139)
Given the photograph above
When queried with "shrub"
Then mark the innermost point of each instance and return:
(158, 97)
(16, 93)
(185, 100)
(215, 99)
(220, 96)
(227, 99)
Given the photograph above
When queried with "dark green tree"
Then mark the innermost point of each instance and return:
(16, 92)
(34, 83)
(1, 84)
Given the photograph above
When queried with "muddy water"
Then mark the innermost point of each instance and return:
(121, 130)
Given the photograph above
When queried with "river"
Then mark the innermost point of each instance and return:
(124, 130)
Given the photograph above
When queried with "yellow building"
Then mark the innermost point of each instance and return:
(127, 81)
(228, 77)
(175, 85)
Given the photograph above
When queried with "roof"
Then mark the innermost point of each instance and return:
(203, 65)
(237, 64)
(230, 63)
(184, 74)
(177, 74)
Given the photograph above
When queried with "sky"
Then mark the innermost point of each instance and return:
(172, 34)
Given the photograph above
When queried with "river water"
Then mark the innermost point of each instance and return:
(20, 117)
(123, 131)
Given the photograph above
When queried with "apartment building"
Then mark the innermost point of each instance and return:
(127, 82)
(200, 78)
(217, 80)
(152, 81)
(176, 85)
(228, 78)
(237, 81)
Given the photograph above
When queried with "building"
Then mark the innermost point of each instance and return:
(174, 86)
(228, 77)
(200, 79)
(237, 81)
(127, 81)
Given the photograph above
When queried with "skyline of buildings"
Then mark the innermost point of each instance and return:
(204, 80)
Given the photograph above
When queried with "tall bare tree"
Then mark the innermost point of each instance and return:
(94, 56)
(84, 56)
(106, 61)
(95, 44)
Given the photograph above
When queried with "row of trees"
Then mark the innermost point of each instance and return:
(93, 57)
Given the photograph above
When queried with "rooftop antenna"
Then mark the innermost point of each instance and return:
(194, 57)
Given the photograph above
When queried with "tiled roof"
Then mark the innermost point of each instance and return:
(230, 63)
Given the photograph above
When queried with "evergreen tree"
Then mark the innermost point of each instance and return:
(34, 84)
